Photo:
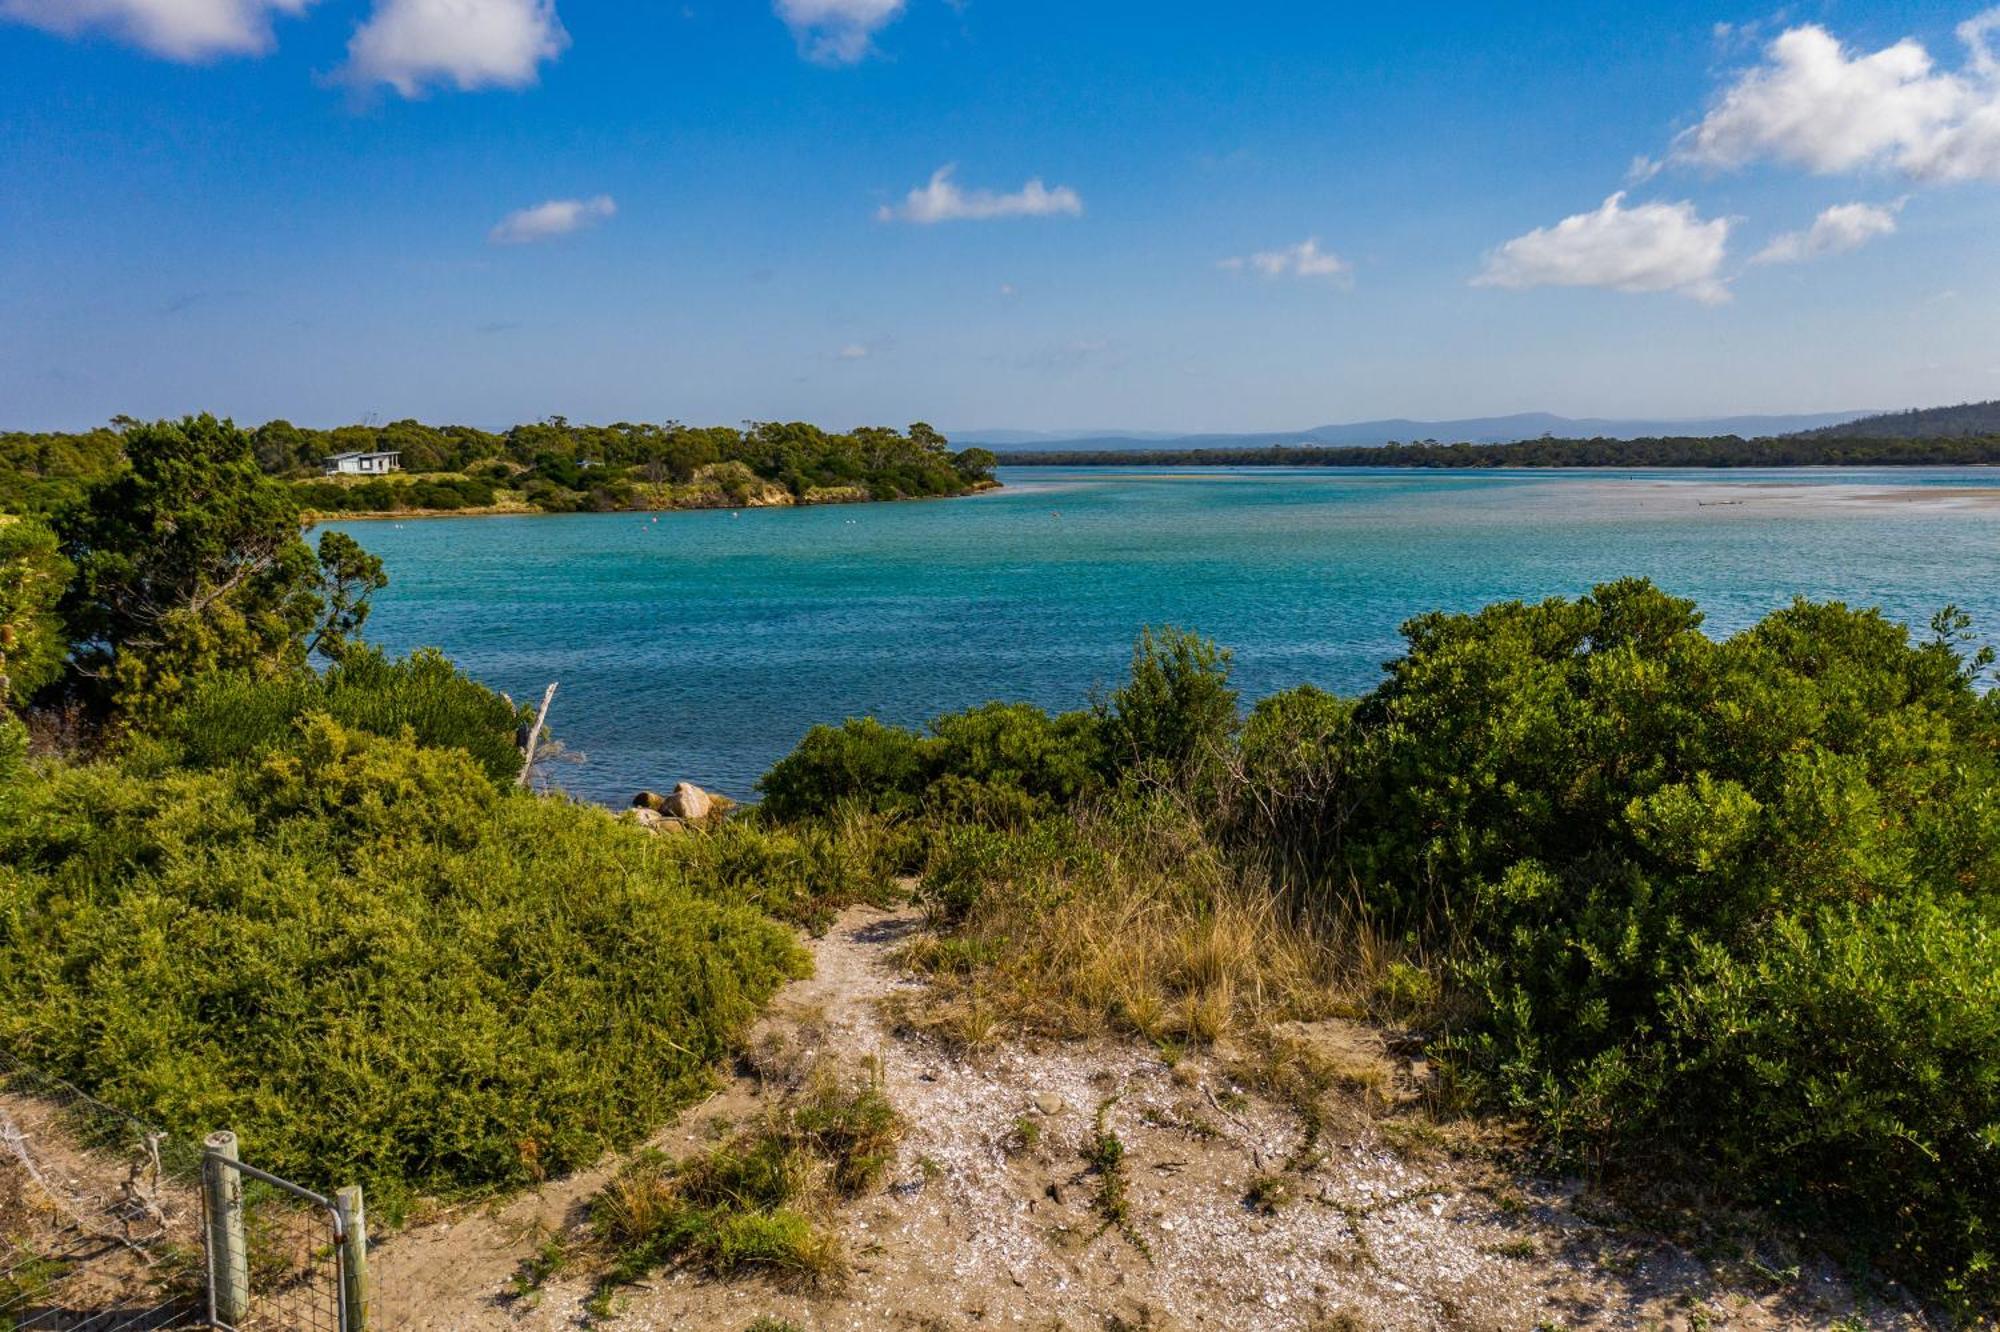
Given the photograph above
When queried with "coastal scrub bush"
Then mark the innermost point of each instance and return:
(1854, 1059)
(1050, 760)
(999, 763)
(861, 760)
(1176, 711)
(1295, 787)
(227, 718)
(1667, 864)
(369, 961)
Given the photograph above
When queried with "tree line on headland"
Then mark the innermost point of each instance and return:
(1817, 450)
(548, 466)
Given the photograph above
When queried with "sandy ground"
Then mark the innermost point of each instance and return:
(97, 1228)
(1768, 498)
(979, 1229)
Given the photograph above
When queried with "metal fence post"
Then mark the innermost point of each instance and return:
(228, 1254)
(353, 1258)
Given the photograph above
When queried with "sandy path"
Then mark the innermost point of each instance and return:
(978, 1230)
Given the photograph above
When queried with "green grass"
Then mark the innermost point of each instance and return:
(27, 1282)
(758, 1202)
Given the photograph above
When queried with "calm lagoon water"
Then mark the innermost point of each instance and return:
(702, 645)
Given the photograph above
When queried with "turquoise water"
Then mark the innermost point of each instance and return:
(702, 645)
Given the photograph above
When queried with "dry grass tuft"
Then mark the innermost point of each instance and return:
(1133, 923)
(759, 1201)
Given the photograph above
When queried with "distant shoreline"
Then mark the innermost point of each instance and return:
(1718, 453)
(314, 516)
(1719, 468)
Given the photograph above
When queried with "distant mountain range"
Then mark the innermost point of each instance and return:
(1473, 430)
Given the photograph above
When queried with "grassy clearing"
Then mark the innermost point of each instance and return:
(1124, 917)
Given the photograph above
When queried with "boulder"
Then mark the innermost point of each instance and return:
(654, 821)
(688, 803)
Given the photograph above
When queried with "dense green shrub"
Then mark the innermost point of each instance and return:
(1660, 859)
(13, 753)
(1016, 745)
(1854, 1060)
(998, 763)
(229, 718)
(861, 760)
(1295, 786)
(368, 961)
(1175, 709)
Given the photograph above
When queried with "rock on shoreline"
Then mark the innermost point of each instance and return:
(686, 805)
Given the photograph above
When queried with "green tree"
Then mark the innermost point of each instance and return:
(348, 576)
(33, 574)
(975, 465)
(190, 562)
(282, 448)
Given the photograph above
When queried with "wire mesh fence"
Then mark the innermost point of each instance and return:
(109, 1225)
(100, 1214)
(274, 1249)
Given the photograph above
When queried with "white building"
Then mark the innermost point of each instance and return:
(361, 464)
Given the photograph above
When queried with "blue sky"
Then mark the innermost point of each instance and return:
(1164, 216)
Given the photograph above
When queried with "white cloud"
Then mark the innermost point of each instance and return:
(1839, 229)
(943, 201)
(1648, 247)
(1812, 103)
(837, 32)
(176, 29)
(853, 351)
(1643, 169)
(1304, 260)
(1009, 289)
(546, 221)
(414, 44)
